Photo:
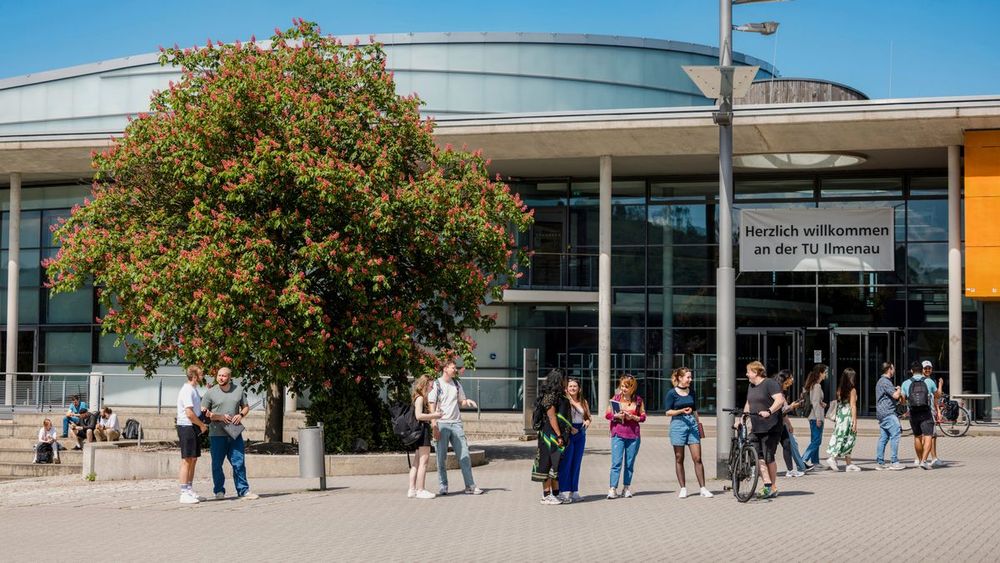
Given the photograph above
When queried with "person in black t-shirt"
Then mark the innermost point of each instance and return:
(764, 402)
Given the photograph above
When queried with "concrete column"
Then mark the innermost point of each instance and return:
(13, 274)
(291, 401)
(604, 289)
(667, 307)
(954, 270)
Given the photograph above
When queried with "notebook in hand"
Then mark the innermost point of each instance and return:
(234, 430)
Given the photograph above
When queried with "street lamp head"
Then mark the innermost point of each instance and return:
(763, 28)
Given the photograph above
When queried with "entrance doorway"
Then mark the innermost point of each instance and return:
(776, 348)
(864, 351)
(27, 362)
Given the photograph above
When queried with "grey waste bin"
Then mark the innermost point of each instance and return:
(312, 462)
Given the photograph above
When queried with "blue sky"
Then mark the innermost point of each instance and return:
(920, 47)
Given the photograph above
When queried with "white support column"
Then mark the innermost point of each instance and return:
(954, 270)
(13, 273)
(604, 288)
(291, 401)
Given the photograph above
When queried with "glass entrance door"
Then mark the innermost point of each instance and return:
(864, 351)
(777, 349)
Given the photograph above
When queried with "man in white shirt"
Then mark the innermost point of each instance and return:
(447, 396)
(107, 429)
(189, 428)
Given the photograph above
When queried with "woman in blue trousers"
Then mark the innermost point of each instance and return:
(569, 466)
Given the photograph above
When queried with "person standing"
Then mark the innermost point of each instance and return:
(685, 425)
(572, 458)
(817, 409)
(553, 435)
(886, 397)
(189, 428)
(845, 428)
(448, 396)
(789, 446)
(928, 371)
(919, 392)
(422, 412)
(226, 406)
(764, 402)
(624, 433)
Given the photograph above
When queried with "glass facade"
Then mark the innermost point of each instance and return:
(664, 254)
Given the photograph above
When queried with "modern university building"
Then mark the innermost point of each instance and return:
(864, 228)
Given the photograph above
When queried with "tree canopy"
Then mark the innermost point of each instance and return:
(282, 210)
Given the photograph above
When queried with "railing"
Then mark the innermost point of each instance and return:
(47, 390)
(557, 271)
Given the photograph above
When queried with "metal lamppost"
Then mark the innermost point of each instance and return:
(723, 83)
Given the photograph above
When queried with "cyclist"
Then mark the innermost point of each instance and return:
(919, 392)
(928, 370)
(764, 402)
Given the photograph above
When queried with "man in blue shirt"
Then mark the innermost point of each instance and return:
(919, 393)
(886, 396)
(73, 414)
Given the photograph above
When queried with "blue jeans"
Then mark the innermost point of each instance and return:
(889, 431)
(793, 448)
(224, 447)
(815, 441)
(626, 448)
(453, 433)
(571, 460)
(66, 421)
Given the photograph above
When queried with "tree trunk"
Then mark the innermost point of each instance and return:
(275, 425)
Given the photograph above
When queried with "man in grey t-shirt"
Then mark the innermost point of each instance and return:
(226, 404)
(886, 398)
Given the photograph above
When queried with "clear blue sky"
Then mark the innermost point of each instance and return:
(938, 47)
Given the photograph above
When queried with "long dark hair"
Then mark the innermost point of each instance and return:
(814, 376)
(846, 384)
(781, 377)
(552, 388)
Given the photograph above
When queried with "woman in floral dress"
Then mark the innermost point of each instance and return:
(845, 429)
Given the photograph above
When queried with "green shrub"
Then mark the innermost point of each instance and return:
(355, 414)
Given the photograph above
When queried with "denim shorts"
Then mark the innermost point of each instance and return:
(684, 431)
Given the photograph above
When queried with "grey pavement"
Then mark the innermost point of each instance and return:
(947, 513)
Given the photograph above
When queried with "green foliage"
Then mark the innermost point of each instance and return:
(91, 476)
(355, 417)
(283, 211)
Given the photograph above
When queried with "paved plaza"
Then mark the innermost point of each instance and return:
(951, 513)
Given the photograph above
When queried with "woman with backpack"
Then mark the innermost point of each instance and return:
(421, 411)
(47, 440)
(553, 434)
(845, 428)
(685, 429)
(789, 446)
(812, 396)
(625, 412)
(572, 458)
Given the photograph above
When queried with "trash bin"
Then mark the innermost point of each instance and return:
(312, 461)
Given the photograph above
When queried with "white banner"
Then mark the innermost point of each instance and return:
(817, 240)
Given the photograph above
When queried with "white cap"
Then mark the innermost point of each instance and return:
(927, 364)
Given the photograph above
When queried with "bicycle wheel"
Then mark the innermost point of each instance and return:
(746, 475)
(958, 427)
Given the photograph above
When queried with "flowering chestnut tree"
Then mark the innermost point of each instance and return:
(283, 211)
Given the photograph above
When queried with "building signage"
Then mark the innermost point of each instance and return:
(817, 240)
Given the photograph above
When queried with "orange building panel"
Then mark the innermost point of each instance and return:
(982, 272)
(982, 221)
(982, 164)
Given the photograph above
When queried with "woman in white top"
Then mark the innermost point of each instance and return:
(814, 390)
(572, 458)
(421, 410)
(47, 435)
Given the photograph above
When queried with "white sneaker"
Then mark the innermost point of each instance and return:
(411, 493)
(188, 499)
(627, 493)
(220, 496)
(473, 490)
(564, 498)
(832, 464)
(550, 500)
(683, 493)
(612, 493)
(706, 493)
(576, 497)
(852, 467)
(443, 491)
(424, 494)
(936, 462)
(794, 473)
(896, 466)
(250, 496)
(916, 463)
(926, 465)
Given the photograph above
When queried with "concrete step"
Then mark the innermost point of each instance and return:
(23, 470)
(22, 455)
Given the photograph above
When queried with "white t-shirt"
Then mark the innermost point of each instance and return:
(111, 423)
(188, 397)
(448, 396)
(51, 433)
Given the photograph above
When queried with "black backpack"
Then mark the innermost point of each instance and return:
(44, 454)
(806, 407)
(405, 425)
(132, 431)
(919, 395)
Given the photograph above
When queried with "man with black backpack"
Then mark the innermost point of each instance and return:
(447, 396)
(919, 394)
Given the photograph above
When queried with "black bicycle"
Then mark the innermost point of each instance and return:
(951, 417)
(743, 460)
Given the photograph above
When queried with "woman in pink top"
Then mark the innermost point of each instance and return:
(625, 412)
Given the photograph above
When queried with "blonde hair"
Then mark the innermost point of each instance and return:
(758, 368)
(628, 381)
(677, 374)
(194, 372)
(420, 385)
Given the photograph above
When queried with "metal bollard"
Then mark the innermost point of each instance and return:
(312, 461)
